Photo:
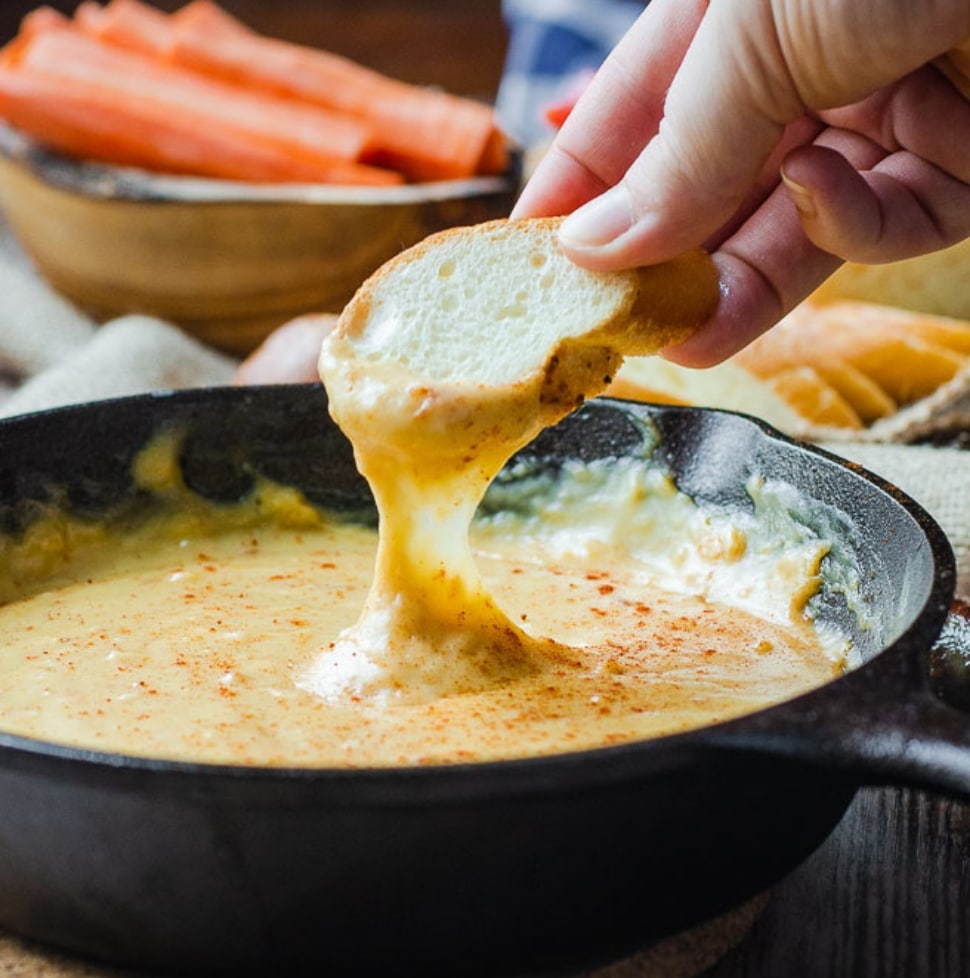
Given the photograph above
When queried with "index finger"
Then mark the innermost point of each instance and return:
(617, 115)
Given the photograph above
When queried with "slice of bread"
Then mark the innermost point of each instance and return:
(897, 351)
(814, 397)
(837, 370)
(935, 283)
(725, 385)
(497, 303)
(449, 359)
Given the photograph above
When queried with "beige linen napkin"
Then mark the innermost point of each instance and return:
(37, 327)
(52, 354)
(130, 355)
(936, 478)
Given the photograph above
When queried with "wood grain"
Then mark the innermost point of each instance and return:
(887, 896)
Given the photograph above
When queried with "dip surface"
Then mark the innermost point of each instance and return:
(197, 640)
(598, 605)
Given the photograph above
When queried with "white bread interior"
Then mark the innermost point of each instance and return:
(491, 304)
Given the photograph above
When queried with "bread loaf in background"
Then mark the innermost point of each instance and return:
(841, 369)
(936, 283)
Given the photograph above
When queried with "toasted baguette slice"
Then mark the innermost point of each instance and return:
(794, 398)
(941, 331)
(842, 369)
(448, 360)
(887, 348)
(494, 303)
(935, 284)
(726, 385)
(869, 401)
(813, 397)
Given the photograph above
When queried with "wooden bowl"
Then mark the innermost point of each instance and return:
(226, 261)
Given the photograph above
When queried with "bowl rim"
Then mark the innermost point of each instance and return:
(103, 181)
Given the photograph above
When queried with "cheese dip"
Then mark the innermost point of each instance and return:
(199, 634)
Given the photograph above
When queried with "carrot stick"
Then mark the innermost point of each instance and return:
(125, 87)
(204, 15)
(40, 20)
(88, 15)
(306, 132)
(210, 67)
(127, 23)
(427, 134)
(91, 122)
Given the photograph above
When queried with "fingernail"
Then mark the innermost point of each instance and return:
(601, 221)
(801, 196)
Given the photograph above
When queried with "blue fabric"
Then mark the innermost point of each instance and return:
(550, 43)
(557, 45)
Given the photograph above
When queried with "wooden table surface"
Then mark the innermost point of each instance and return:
(888, 895)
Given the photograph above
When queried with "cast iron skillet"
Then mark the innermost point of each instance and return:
(539, 866)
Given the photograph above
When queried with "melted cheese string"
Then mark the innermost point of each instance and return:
(434, 411)
(429, 451)
(429, 627)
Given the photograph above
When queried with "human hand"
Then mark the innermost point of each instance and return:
(289, 354)
(783, 135)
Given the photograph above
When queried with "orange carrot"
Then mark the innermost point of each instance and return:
(427, 134)
(127, 23)
(558, 112)
(324, 113)
(123, 85)
(88, 15)
(495, 157)
(40, 20)
(208, 16)
(306, 132)
(91, 122)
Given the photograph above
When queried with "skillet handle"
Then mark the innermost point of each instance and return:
(948, 662)
(904, 721)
